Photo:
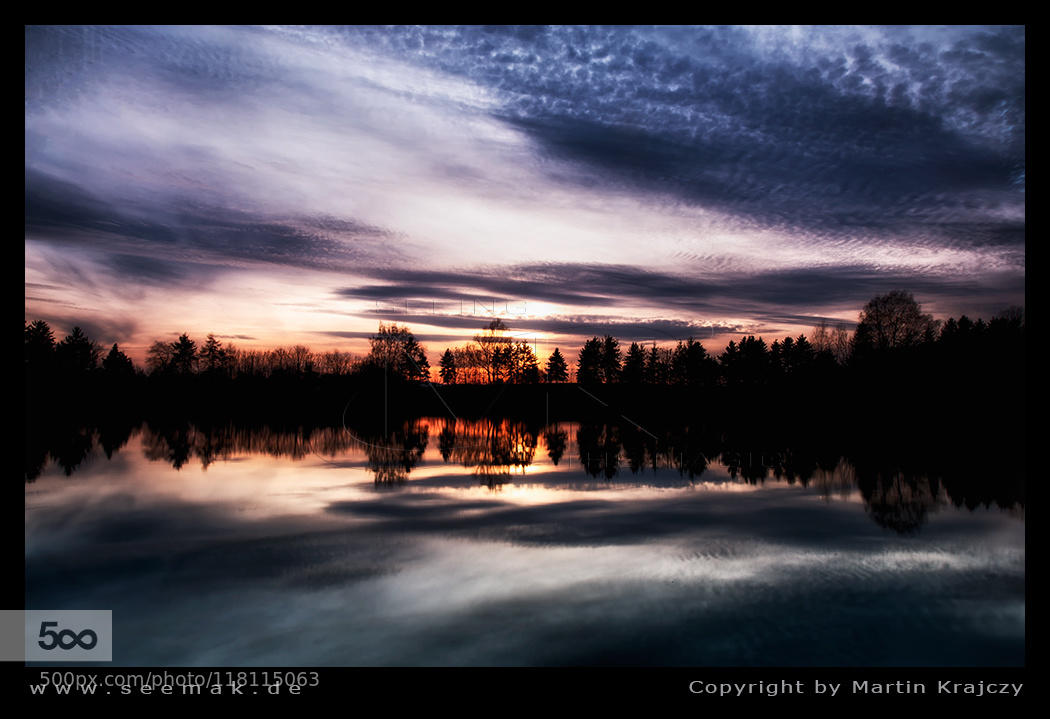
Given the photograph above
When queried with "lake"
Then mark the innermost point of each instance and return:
(498, 543)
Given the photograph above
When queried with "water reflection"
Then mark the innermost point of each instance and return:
(501, 542)
(492, 449)
(896, 495)
(556, 440)
(392, 458)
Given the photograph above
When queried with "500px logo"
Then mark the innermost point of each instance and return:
(66, 639)
(68, 635)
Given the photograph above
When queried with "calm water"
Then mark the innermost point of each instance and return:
(498, 544)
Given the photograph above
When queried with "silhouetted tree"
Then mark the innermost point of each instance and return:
(892, 321)
(730, 363)
(448, 367)
(634, 365)
(557, 369)
(118, 364)
(754, 359)
(611, 358)
(491, 345)
(184, 355)
(589, 364)
(524, 366)
(832, 343)
(1012, 317)
(777, 352)
(395, 348)
(213, 356)
(279, 362)
(471, 364)
(802, 356)
(657, 365)
(747, 363)
(841, 344)
(76, 353)
(301, 360)
(821, 336)
(39, 345)
(335, 362)
(690, 364)
(500, 364)
(158, 357)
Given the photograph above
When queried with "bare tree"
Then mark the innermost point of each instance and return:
(158, 357)
(892, 321)
(492, 344)
(301, 359)
(820, 336)
(336, 362)
(471, 365)
(841, 344)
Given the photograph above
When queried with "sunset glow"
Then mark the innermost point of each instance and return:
(280, 186)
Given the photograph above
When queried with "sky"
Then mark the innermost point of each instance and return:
(300, 185)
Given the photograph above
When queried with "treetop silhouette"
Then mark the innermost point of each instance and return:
(892, 332)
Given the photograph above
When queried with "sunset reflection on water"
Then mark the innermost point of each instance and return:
(467, 543)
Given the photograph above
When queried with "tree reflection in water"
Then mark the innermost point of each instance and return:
(493, 449)
(392, 458)
(898, 495)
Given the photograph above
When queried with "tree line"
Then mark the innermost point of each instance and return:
(77, 354)
(892, 332)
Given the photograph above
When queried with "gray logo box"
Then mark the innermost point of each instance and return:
(69, 635)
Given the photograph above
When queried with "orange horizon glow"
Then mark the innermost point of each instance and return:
(543, 346)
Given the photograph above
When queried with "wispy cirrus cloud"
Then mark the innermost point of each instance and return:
(719, 176)
(611, 286)
(823, 131)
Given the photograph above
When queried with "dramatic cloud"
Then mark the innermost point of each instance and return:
(603, 285)
(722, 178)
(825, 130)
